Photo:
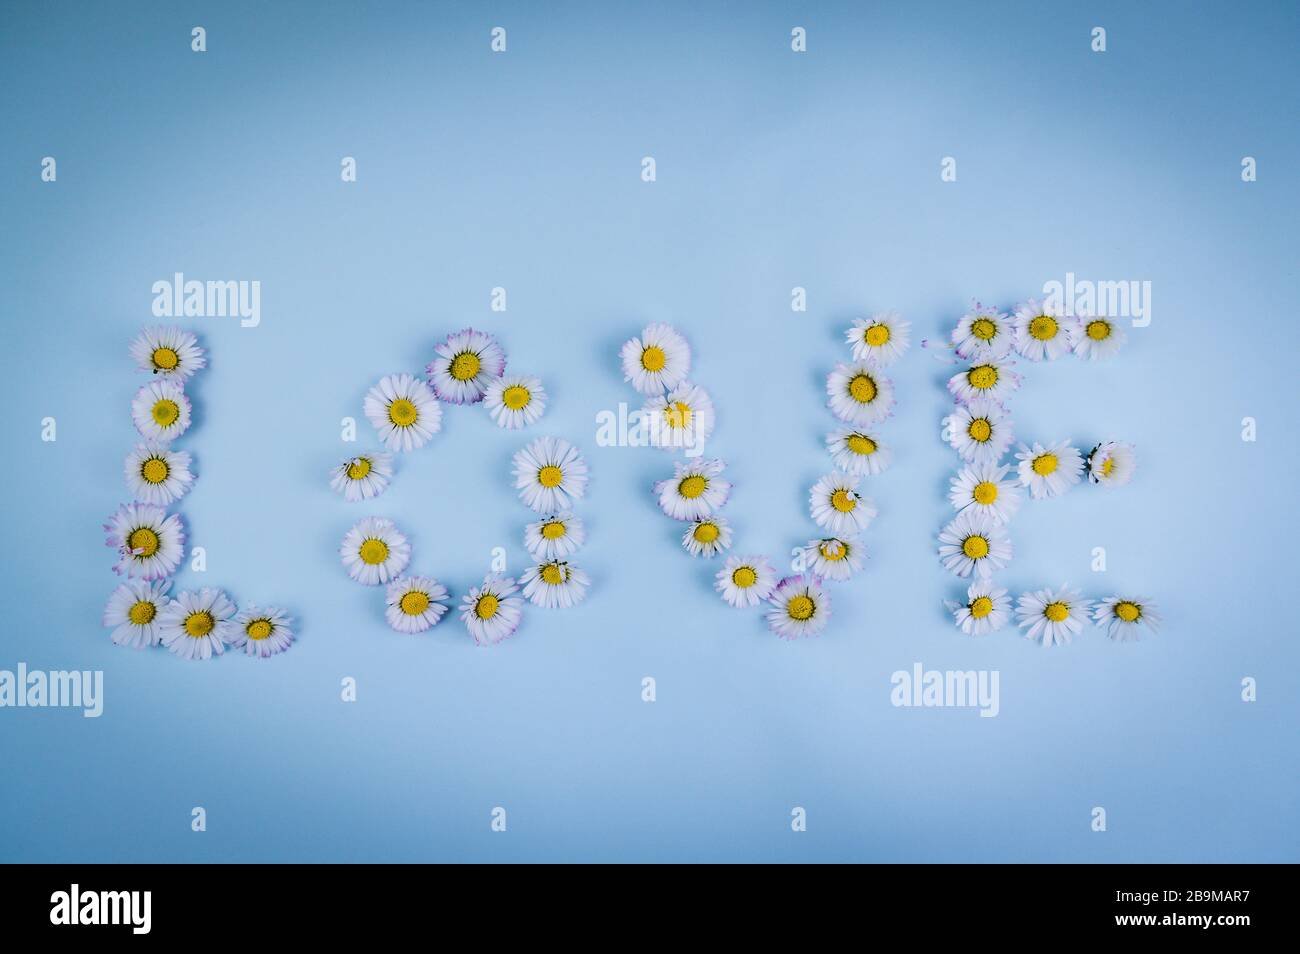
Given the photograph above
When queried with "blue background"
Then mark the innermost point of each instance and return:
(774, 170)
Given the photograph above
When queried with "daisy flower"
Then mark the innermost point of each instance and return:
(696, 490)
(555, 537)
(1112, 463)
(980, 431)
(150, 543)
(745, 580)
(197, 625)
(133, 610)
(972, 543)
(170, 353)
(404, 411)
(657, 361)
(858, 394)
(515, 401)
(1096, 338)
(1049, 471)
(986, 610)
(836, 505)
(857, 452)
(834, 558)
(157, 475)
(375, 551)
(683, 418)
(464, 365)
(550, 474)
(260, 632)
(983, 333)
(415, 603)
(881, 339)
(989, 378)
(800, 607)
(161, 411)
(363, 476)
(490, 612)
(556, 584)
(707, 537)
(1124, 617)
(1052, 617)
(980, 488)
(1043, 330)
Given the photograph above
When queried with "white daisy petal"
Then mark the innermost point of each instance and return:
(1112, 463)
(834, 558)
(134, 609)
(881, 339)
(987, 609)
(375, 551)
(858, 394)
(197, 625)
(980, 431)
(681, 419)
(492, 612)
(1043, 331)
(983, 334)
(981, 488)
(1096, 338)
(988, 379)
(515, 400)
(260, 632)
(161, 411)
(464, 365)
(550, 474)
(554, 584)
(1049, 471)
(1053, 617)
(836, 505)
(156, 474)
(362, 477)
(972, 543)
(707, 537)
(695, 491)
(858, 452)
(745, 580)
(657, 361)
(404, 411)
(415, 603)
(1124, 617)
(149, 542)
(170, 353)
(555, 536)
(800, 607)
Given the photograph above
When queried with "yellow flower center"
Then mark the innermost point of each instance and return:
(983, 328)
(876, 335)
(980, 430)
(515, 397)
(862, 389)
(1043, 327)
(402, 412)
(860, 444)
(142, 612)
(833, 550)
(653, 358)
(143, 542)
(413, 603)
(199, 624)
(258, 628)
(464, 366)
(165, 358)
(374, 551)
(1108, 466)
(165, 412)
(552, 574)
(706, 533)
(981, 607)
(693, 486)
(553, 530)
(1056, 611)
(844, 501)
(985, 492)
(982, 377)
(977, 548)
(1044, 464)
(1099, 330)
(800, 607)
(744, 577)
(1127, 611)
(486, 606)
(359, 468)
(550, 476)
(677, 415)
(154, 470)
